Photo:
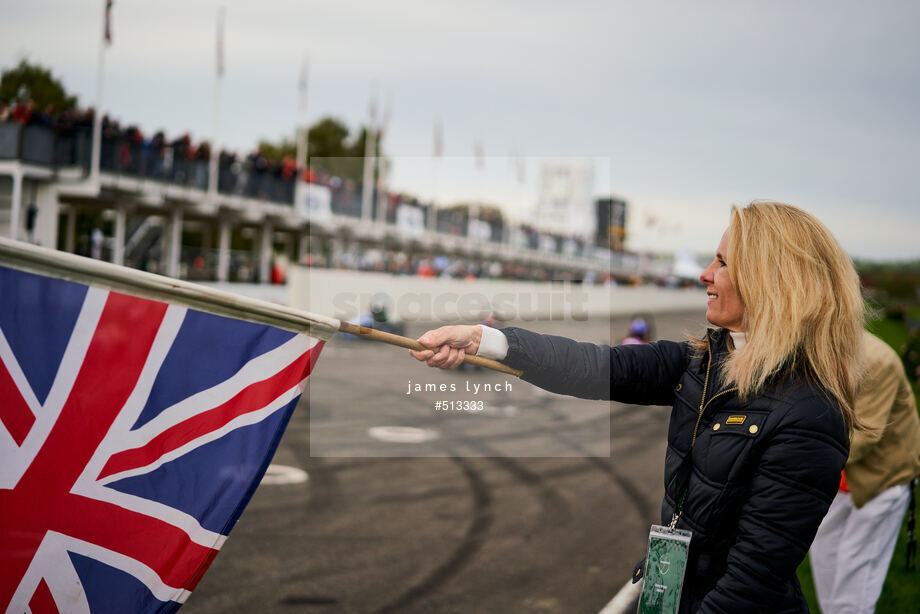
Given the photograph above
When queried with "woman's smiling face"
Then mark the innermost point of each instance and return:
(725, 308)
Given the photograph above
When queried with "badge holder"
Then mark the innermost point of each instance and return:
(664, 571)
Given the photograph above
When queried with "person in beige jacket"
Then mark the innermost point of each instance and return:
(853, 548)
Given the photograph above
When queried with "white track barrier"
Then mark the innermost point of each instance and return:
(626, 600)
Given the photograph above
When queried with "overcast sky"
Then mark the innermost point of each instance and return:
(687, 106)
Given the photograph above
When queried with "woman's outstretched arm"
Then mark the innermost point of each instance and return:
(643, 374)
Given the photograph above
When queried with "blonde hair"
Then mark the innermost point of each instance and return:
(803, 308)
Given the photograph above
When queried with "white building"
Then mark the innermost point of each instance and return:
(565, 202)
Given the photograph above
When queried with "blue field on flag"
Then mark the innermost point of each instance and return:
(132, 434)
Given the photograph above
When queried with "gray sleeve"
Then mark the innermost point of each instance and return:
(643, 374)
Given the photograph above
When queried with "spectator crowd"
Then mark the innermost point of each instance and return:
(63, 138)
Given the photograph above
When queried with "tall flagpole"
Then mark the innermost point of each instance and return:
(383, 170)
(370, 143)
(303, 132)
(472, 220)
(100, 71)
(516, 206)
(301, 190)
(215, 148)
(437, 152)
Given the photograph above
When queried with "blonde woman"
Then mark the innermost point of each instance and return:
(762, 405)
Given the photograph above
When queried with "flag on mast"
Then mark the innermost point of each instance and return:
(133, 430)
(108, 22)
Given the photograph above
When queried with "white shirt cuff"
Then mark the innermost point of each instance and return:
(493, 344)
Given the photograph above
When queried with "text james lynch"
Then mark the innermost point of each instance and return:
(470, 387)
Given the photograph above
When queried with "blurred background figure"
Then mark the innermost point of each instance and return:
(853, 548)
(96, 240)
(380, 315)
(639, 332)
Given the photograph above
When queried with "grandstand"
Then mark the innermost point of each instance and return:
(152, 205)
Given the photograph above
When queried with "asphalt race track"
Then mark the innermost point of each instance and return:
(512, 508)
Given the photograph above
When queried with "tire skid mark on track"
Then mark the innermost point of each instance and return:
(483, 518)
(571, 470)
(551, 501)
(643, 506)
(325, 490)
(434, 493)
(640, 503)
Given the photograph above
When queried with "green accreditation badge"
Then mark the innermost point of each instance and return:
(664, 570)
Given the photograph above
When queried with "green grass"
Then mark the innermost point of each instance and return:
(892, 332)
(901, 591)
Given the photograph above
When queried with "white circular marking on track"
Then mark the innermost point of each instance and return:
(283, 474)
(402, 434)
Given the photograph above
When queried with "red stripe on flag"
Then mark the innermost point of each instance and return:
(41, 501)
(161, 546)
(14, 411)
(314, 356)
(252, 398)
(42, 602)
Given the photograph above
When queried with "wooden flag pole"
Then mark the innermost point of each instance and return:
(44, 261)
(412, 344)
(90, 272)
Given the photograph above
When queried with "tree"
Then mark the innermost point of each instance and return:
(329, 139)
(277, 151)
(331, 149)
(34, 82)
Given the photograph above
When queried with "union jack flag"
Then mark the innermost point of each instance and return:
(133, 434)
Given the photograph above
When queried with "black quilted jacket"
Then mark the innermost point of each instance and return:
(764, 470)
